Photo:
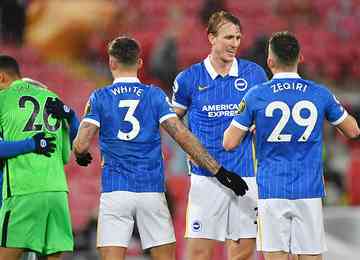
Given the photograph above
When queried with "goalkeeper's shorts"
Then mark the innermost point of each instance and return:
(38, 221)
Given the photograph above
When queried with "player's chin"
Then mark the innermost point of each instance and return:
(229, 56)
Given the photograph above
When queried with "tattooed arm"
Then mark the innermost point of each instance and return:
(177, 130)
(180, 112)
(82, 142)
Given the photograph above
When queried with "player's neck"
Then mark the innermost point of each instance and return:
(124, 74)
(7, 83)
(220, 66)
(290, 69)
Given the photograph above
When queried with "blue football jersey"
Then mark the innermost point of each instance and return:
(211, 102)
(289, 114)
(129, 114)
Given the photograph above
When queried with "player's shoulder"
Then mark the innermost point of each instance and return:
(244, 64)
(258, 89)
(320, 88)
(191, 72)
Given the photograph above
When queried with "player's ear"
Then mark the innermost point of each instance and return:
(2, 78)
(112, 63)
(211, 38)
(270, 62)
(301, 58)
(140, 63)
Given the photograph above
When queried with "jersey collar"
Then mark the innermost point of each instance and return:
(286, 75)
(213, 74)
(126, 80)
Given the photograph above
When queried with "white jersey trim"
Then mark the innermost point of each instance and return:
(91, 121)
(341, 119)
(178, 105)
(163, 118)
(234, 70)
(240, 126)
(286, 75)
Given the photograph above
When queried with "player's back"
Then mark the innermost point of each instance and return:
(22, 114)
(129, 116)
(289, 119)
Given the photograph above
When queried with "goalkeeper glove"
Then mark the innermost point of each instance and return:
(44, 145)
(232, 181)
(84, 159)
(58, 109)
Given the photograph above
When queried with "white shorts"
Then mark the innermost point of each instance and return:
(294, 226)
(214, 212)
(119, 209)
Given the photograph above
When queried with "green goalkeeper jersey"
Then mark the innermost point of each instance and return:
(22, 114)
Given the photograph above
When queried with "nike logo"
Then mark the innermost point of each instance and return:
(228, 179)
(201, 88)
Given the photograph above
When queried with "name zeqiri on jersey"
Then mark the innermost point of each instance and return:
(220, 110)
(280, 86)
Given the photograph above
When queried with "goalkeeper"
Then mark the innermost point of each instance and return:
(32, 182)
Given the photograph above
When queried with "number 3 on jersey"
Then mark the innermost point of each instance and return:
(129, 117)
(309, 122)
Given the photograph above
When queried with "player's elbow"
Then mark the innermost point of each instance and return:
(354, 134)
(228, 144)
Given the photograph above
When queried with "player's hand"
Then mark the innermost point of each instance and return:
(44, 145)
(58, 109)
(84, 160)
(232, 181)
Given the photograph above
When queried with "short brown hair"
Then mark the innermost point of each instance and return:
(286, 47)
(125, 50)
(9, 65)
(217, 19)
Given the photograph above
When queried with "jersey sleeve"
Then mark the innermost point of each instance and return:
(66, 145)
(92, 113)
(162, 105)
(181, 91)
(335, 113)
(13, 148)
(73, 127)
(245, 114)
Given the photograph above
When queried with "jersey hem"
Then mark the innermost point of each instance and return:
(91, 121)
(164, 118)
(341, 119)
(240, 126)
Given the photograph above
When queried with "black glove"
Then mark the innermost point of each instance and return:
(58, 109)
(84, 159)
(44, 145)
(232, 181)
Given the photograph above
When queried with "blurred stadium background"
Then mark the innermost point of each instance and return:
(62, 43)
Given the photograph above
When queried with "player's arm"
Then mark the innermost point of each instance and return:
(61, 111)
(181, 97)
(37, 144)
(180, 112)
(82, 142)
(178, 131)
(74, 124)
(241, 123)
(233, 136)
(349, 127)
(339, 117)
(181, 134)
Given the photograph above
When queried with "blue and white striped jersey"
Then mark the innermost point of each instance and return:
(129, 114)
(289, 114)
(211, 102)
